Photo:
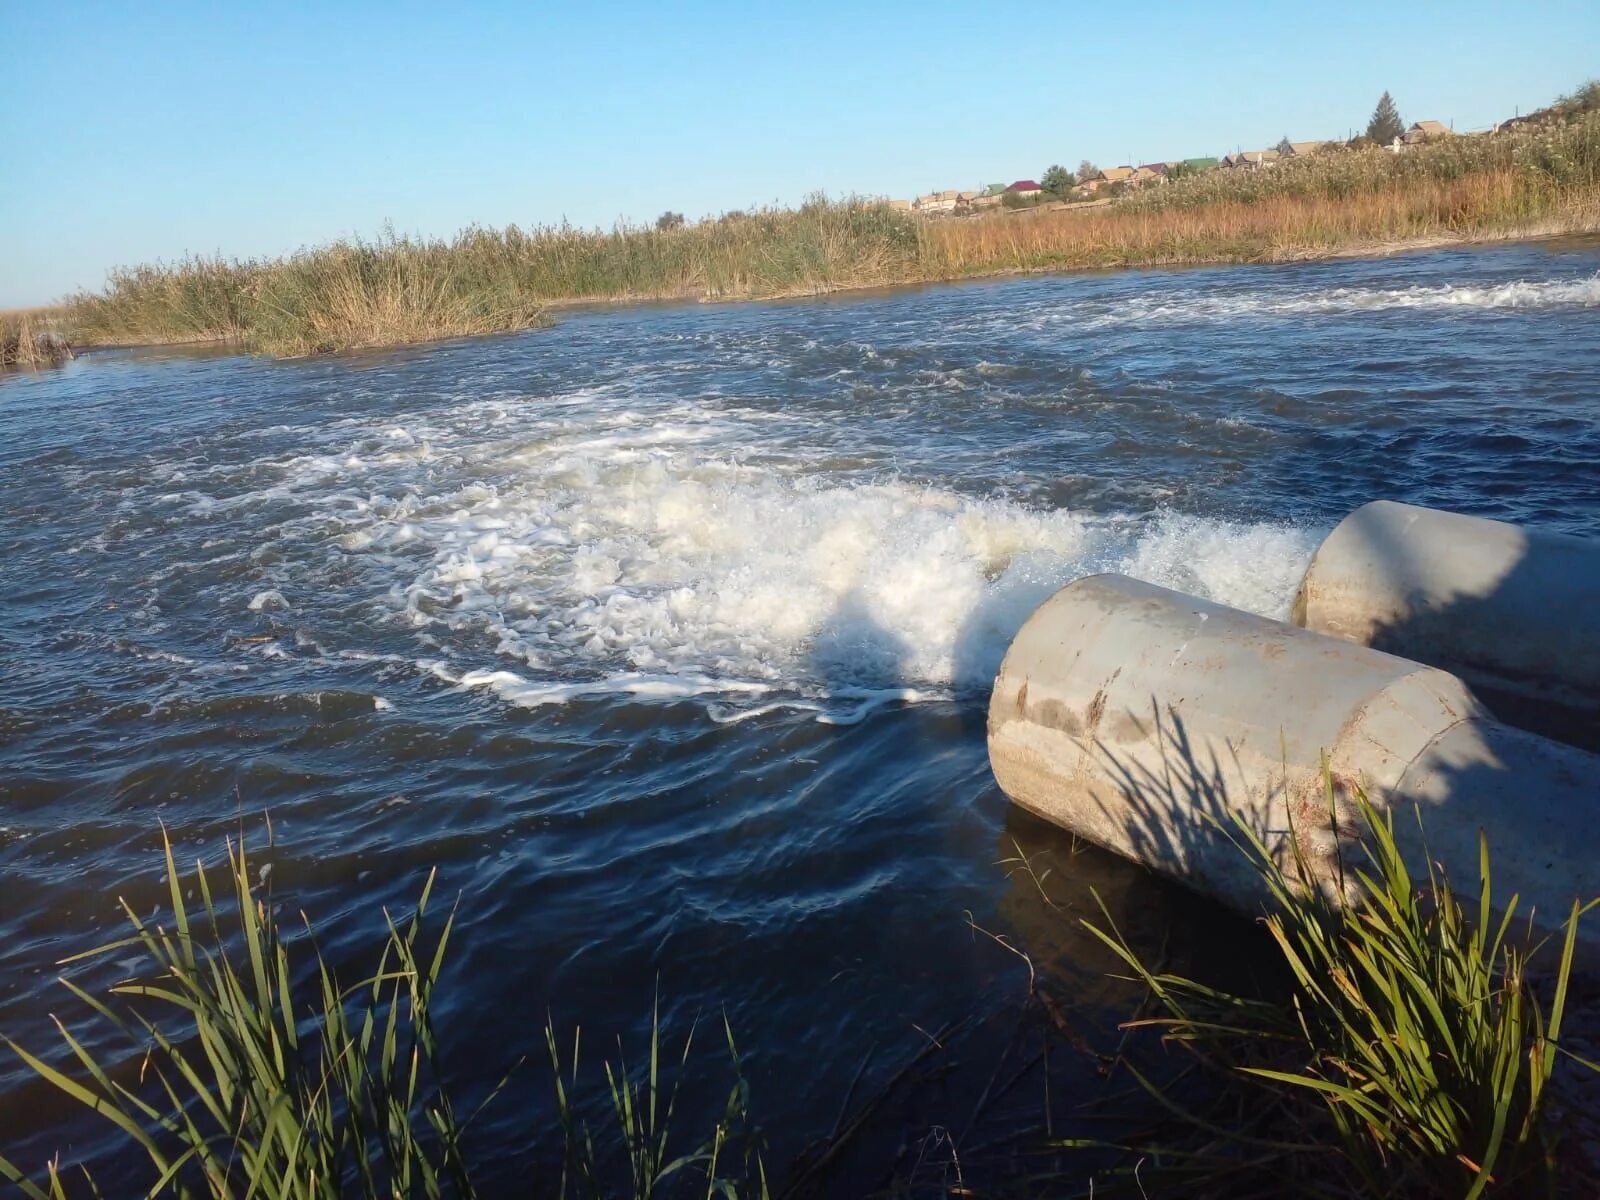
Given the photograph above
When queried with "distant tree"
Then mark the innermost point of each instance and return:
(1582, 99)
(1057, 180)
(669, 220)
(1385, 124)
(1283, 146)
(1087, 171)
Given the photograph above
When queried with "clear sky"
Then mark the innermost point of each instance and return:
(144, 131)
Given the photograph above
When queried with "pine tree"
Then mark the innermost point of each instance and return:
(1386, 124)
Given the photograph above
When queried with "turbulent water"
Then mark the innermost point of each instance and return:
(666, 633)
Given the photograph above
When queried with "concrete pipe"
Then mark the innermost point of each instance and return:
(1140, 719)
(1516, 612)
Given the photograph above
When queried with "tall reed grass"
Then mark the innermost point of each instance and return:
(1414, 1055)
(29, 338)
(255, 1079)
(1272, 228)
(196, 299)
(395, 289)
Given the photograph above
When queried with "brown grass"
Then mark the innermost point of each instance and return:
(1275, 229)
(30, 338)
(397, 290)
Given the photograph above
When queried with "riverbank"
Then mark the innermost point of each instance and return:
(398, 290)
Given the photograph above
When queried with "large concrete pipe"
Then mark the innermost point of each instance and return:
(1140, 719)
(1516, 612)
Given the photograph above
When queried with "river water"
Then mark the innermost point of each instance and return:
(666, 633)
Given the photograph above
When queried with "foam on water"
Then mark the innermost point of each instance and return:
(1182, 305)
(638, 553)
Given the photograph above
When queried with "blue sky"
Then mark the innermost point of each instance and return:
(140, 132)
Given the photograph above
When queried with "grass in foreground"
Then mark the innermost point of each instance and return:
(397, 290)
(1414, 1057)
(246, 1079)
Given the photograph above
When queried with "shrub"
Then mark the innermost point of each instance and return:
(1414, 1041)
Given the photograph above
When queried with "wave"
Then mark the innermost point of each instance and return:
(670, 550)
(1199, 306)
(730, 583)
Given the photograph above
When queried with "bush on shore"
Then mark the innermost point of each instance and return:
(395, 290)
(1413, 1057)
(30, 339)
(401, 289)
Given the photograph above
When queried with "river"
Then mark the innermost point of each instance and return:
(665, 633)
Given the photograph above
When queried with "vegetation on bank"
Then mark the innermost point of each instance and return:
(401, 289)
(28, 338)
(398, 289)
(1411, 1056)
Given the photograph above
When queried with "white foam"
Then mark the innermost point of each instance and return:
(686, 580)
(548, 552)
(1184, 305)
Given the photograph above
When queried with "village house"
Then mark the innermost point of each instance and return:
(1423, 131)
(987, 200)
(948, 201)
(1105, 178)
(1251, 160)
(1028, 189)
(1149, 173)
(1304, 149)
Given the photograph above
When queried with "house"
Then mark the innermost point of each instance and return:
(1252, 160)
(1149, 173)
(1106, 178)
(1424, 131)
(994, 189)
(937, 202)
(1028, 189)
(987, 200)
(1304, 149)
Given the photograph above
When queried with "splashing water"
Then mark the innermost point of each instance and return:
(637, 552)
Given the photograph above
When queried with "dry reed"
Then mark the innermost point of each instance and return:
(396, 290)
(1274, 228)
(29, 338)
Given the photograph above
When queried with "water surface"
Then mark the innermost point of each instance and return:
(666, 634)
